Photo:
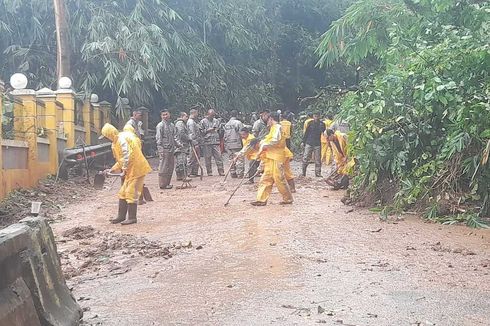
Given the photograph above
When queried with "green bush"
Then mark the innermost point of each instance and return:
(420, 126)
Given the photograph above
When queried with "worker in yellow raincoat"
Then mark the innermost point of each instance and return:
(344, 166)
(288, 172)
(286, 127)
(133, 166)
(129, 128)
(273, 155)
(249, 151)
(326, 150)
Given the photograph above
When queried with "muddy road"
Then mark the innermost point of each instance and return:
(191, 261)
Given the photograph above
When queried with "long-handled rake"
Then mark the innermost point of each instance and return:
(245, 176)
(198, 158)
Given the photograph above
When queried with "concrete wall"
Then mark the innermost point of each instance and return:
(43, 152)
(15, 154)
(32, 287)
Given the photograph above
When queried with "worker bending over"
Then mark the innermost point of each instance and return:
(326, 150)
(132, 165)
(249, 152)
(337, 141)
(272, 155)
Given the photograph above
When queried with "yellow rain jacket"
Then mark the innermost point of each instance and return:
(326, 151)
(129, 128)
(126, 149)
(249, 153)
(288, 172)
(286, 128)
(305, 125)
(340, 154)
(274, 144)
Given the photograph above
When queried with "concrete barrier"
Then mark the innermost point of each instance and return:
(32, 287)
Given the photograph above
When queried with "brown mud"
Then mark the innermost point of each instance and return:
(53, 195)
(192, 261)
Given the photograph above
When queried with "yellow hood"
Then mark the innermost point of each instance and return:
(110, 132)
(129, 128)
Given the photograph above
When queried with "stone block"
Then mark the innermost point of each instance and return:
(28, 256)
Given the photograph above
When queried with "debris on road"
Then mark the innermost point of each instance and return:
(18, 203)
(86, 251)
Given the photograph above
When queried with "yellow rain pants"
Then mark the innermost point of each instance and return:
(288, 173)
(273, 174)
(131, 190)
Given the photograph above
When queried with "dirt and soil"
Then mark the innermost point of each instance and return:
(53, 194)
(192, 261)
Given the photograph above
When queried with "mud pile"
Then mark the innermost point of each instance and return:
(53, 195)
(93, 254)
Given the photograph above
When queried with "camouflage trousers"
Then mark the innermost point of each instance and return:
(239, 167)
(181, 163)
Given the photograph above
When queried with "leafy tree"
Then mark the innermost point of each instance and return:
(228, 54)
(420, 122)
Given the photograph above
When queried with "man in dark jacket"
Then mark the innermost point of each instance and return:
(312, 144)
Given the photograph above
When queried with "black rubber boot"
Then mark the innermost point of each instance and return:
(132, 210)
(305, 166)
(180, 176)
(164, 182)
(292, 186)
(121, 215)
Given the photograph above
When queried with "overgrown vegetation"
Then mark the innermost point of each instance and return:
(421, 121)
(242, 54)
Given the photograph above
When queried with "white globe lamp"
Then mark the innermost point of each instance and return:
(94, 98)
(65, 83)
(18, 81)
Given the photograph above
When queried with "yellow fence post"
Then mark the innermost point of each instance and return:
(66, 96)
(97, 117)
(2, 186)
(106, 112)
(49, 98)
(27, 120)
(87, 121)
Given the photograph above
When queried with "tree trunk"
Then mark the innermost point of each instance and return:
(62, 39)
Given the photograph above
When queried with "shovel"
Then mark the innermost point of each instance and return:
(146, 194)
(99, 179)
(198, 158)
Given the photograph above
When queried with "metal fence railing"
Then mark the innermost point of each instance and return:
(8, 131)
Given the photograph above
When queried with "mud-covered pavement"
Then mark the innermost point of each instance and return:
(192, 261)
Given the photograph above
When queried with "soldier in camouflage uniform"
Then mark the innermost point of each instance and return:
(166, 144)
(181, 153)
(196, 139)
(233, 145)
(210, 127)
